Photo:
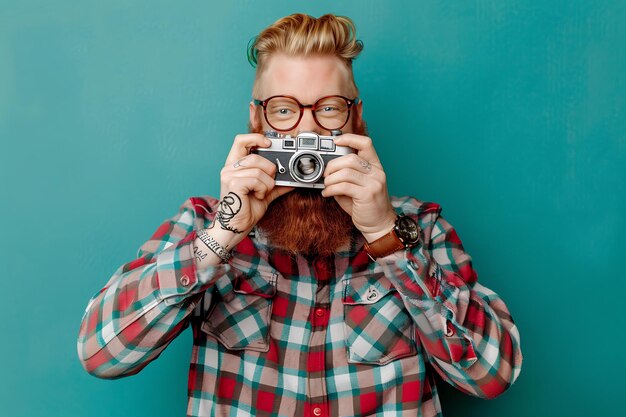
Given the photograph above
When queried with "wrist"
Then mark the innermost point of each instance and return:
(385, 227)
(226, 238)
(214, 246)
(404, 234)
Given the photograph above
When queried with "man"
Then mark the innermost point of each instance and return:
(338, 302)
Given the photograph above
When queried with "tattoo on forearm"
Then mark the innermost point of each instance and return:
(226, 210)
(199, 254)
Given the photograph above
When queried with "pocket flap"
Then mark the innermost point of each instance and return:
(240, 318)
(366, 289)
(255, 283)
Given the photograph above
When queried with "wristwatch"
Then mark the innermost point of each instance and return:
(405, 234)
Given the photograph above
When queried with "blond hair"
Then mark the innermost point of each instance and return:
(304, 35)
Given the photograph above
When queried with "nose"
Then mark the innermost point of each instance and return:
(307, 123)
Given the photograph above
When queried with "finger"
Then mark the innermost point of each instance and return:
(249, 185)
(252, 173)
(278, 191)
(343, 189)
(349, 161)
(348, 175)
(362, 144)
(242, 145)
(255, 161)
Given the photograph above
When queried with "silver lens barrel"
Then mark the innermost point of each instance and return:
(306, 166)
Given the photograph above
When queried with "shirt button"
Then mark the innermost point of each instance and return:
(184, 280)
(317, 411)
(320, 312)
(449, 329)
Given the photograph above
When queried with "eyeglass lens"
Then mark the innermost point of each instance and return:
(284, 113)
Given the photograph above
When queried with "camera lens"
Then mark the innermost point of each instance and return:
(306, 167)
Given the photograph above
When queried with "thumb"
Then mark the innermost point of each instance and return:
(277, 192)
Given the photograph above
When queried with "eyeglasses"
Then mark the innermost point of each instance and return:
(283, 113)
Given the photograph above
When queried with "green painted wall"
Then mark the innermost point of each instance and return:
(511, 114)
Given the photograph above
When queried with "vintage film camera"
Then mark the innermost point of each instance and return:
(300, 161)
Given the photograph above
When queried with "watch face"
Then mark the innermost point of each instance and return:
(408, 230)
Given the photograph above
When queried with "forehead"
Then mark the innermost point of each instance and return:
(306, 78)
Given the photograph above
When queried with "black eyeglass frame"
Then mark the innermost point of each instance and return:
(313, 107)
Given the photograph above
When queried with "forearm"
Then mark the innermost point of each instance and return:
(144, 306)
(465, 328)
(147, 301)
(205, 256)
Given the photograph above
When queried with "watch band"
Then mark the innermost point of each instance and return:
(383, 246)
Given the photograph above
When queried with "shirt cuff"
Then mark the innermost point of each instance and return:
(177, 275)
(433, 304)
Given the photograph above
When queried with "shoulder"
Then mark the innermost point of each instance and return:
(425, 213)
(203, 204)
(200, 207)
(412, 206)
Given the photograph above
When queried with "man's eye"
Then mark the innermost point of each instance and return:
(328, 109)
(284, 111)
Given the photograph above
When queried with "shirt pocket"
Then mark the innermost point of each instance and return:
(240, 317)
(378, 327)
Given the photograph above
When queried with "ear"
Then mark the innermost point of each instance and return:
(359, 111)
(254, 120)
(358, 114)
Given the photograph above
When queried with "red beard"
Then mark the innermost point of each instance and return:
(303, 222)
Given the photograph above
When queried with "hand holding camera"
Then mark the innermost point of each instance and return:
(359, 184)
(247, 187)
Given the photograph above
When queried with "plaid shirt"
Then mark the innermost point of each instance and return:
(279, 335)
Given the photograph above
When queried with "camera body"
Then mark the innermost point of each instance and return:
(301, 161)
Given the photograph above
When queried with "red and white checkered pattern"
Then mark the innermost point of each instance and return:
(279, 335)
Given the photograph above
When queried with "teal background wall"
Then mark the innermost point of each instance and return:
(510, 114)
